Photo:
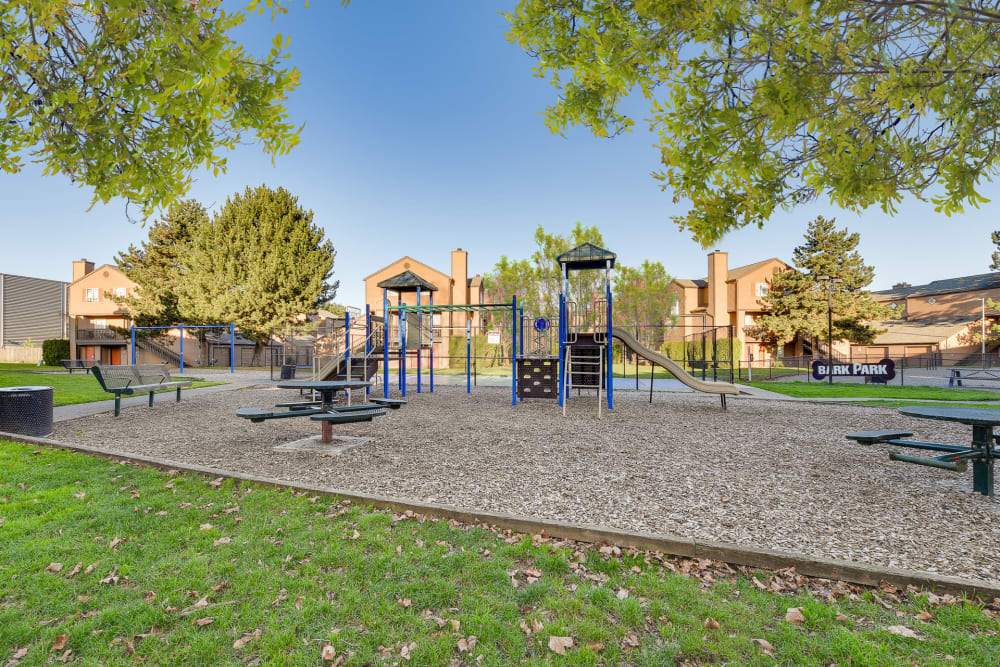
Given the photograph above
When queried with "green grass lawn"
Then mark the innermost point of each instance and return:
(122, 565)
(70, 388)
(29, 367)
(910, 404)
(844, 390)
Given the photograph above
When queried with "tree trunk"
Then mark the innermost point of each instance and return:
(258, 349)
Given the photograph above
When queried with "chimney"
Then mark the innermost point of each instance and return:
(901, 285)
(460, 276)
(718, 272)
(81, 268)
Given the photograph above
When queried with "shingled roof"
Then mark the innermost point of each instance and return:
(407, 281)
(587, 256)
(946, 286)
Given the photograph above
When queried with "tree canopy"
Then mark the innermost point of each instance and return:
(797, 302)
(259, 263)
(156, 266)
(128, 98)
(764, 106)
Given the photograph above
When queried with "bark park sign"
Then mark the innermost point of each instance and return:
(884, 370)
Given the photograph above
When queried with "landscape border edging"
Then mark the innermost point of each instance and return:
(813, 566)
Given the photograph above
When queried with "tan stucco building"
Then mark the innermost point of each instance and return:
(453, 288)
(93, 311)
(727, 297)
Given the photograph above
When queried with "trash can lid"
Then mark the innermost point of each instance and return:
(27, 388)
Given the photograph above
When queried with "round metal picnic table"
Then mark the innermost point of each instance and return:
(982, 421)
(326, 390)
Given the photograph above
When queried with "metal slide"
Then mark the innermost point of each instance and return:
(706, 386)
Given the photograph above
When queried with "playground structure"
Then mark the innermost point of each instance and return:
(548, 356)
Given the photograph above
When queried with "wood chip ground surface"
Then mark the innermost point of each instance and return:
(771, 474)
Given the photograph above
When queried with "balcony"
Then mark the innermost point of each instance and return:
(99, 336)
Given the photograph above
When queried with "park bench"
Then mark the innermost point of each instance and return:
(73, 364)
(137, 379)
(955, 377)
(343, 414)
(393, 403)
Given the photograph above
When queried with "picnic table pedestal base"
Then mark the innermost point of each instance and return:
(326, 434)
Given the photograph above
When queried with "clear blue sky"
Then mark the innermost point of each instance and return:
(423, 134)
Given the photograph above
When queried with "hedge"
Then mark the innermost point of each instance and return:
(55, 350)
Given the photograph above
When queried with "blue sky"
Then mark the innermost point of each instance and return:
(423, 134)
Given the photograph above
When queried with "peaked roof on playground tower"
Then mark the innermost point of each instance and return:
(407, 281)
(586, 256)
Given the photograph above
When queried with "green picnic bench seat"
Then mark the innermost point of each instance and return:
(393, 403)
(869, 437)
(136, 379)
(257, 415)
(299, 405)
(346, 416)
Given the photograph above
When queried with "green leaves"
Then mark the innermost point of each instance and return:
(766, 106)
(129, 102)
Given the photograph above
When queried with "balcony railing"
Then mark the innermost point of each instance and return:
(98, 336)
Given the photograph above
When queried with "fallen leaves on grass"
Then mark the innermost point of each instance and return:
(531, 629)
(711, 624)
(764, 645)
(60, 643)
(15, 658)
(115, 542)
(202, 622)
(903, 631)
(596, 647)
(559, 645)
(221, 540)
(925, 616)
(80, 496)
(404, 602)
(328, 653)
(216, 483)
(54, 567)
(247, 638)
(794, 615)
(842, 618)
(282, 596)
(466, 644)
(205, 526)
(149, 597)
(75, 571)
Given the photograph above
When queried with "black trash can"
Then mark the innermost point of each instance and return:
(26, 410)
(288, 372)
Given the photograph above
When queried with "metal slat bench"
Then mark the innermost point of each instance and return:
(73, 364)
(393, 403)
(364, 414)
(137, 379)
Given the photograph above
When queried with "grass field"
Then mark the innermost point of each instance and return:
(910, 404)
(30, 367)
(69, 389)
(845, 390)
(119, 565)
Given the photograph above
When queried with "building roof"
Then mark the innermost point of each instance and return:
(587, 256)
(734, 273)
(684, 282)
(914, 332)
(404, 259)
(946, 286)
(407, 281)
(102, 266)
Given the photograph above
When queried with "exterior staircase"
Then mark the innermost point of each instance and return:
(163, 352)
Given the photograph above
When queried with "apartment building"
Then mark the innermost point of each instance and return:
(453, 288)
(94, 314)
(31, 310)
(726, 297)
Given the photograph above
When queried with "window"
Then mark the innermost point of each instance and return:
(99, 324)
(121, 292)
(93, 294)
(761, 289)
(748, 320)
(437, 320)
(675, 308)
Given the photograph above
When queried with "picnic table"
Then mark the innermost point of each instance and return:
(982, 451)
(323, 410)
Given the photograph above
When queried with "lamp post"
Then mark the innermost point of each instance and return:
(982, 334)
(830, 283)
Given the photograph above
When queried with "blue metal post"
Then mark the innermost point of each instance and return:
(402, 348)
(468, 356)
(133, 345)
(420, 335)
(368, 344)
(431, 297)
(232, 347)
(347, 342)
(182, 348)
(611, 374)
(513, 351)
(385, 343)
(562, 341)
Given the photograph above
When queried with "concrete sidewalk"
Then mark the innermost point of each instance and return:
(239, 381)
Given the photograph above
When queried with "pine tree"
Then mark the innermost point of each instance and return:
(155, 266)
(260, 262)
(797, 302)
(995, 265)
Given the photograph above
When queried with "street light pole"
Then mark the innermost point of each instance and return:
(982, 334)
(829, 282)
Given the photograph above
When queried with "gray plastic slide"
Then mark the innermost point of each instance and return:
(706, 386)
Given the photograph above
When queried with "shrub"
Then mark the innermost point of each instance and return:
(480, 348)
(54, 350)
(691, 350)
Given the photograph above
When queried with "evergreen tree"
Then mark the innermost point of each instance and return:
(155, 266)
(995, 265)
(797, 302)
(260, 262)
